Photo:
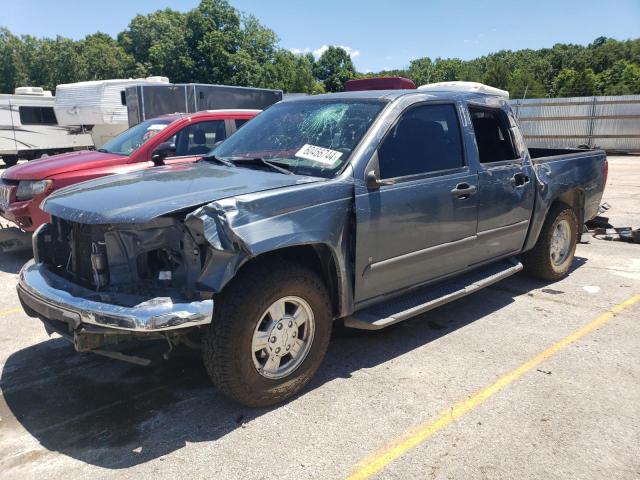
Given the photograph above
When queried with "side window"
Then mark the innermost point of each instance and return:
(199, 138)
(425, 139)
(240, 122)
(37, 116)
(491, 128)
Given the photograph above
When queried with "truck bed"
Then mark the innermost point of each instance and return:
(574, 176)
(543, 153)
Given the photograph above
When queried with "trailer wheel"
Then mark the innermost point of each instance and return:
(270, 332)
(554, 251)
(10, 160)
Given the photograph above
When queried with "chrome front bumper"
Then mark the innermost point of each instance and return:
(55, 298)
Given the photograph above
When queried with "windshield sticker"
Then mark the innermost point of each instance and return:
(325, 156)
(157, 126)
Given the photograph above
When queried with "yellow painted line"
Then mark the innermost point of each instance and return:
(383, 457)
(10, 311)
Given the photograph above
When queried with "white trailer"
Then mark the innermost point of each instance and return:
(29, 128)
(99, 105)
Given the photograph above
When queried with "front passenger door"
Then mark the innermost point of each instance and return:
(421, 223)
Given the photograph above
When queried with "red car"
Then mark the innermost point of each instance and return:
(164, 140)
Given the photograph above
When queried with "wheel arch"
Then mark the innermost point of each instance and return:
(573, 198)
(318, 257)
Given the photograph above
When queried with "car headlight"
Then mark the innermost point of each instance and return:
(27, 189)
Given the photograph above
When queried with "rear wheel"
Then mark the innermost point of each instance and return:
(554, 251)
(270, 333)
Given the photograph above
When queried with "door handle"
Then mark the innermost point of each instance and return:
(519, 180)
(464, 190)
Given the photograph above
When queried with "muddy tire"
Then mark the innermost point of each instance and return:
(554, 251)
(270, 332)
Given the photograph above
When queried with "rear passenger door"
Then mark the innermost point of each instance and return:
(506, 190)
(420, 223)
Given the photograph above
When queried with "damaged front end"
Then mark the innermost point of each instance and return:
(101, 285)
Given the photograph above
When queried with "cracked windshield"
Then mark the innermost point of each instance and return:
(306, 137)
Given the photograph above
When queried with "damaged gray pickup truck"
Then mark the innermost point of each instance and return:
(366, 208)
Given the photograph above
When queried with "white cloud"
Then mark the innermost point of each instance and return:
(320, 50)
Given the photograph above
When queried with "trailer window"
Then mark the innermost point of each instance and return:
(491, 128)
(37, 116)
(425, 139)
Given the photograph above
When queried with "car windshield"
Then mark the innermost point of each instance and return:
(307, 137)
(132, 139)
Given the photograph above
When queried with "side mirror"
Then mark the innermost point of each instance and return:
(374, 182)
(162, 151)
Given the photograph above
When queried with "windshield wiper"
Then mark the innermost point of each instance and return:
(262, 161)
(219, 160)
(103, 150)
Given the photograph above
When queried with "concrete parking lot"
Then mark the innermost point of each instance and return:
(435, 397)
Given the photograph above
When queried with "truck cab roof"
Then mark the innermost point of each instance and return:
(390, 95)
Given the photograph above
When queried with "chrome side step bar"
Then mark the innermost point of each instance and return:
(430, 297)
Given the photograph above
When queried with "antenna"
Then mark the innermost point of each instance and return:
(524, 95)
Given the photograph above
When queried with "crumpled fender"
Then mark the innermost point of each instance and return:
(240, 228)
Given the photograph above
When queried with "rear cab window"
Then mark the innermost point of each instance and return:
(425, 139)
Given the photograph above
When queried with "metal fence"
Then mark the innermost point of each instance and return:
(611, 123)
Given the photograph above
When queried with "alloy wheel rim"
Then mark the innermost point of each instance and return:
(560, 243)
(283, 337)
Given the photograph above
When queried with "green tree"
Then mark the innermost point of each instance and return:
(446, 70)
(289, 72)
(101, 57)
(631, 78)
(52, 62)
(610, 81)
(421, 71)
(13, 71)
(227, 47)
(159, 44)
(497, 74)
(572, 83)
(523, 84)
(334, 68)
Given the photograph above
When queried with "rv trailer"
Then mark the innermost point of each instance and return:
(29, 128)
(98, 105)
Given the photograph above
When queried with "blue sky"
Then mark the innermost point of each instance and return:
(378, 33)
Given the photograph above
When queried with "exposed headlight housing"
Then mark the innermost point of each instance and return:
(27, 189)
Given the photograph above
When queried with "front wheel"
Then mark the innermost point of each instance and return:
(270, 332)
(554, 251)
